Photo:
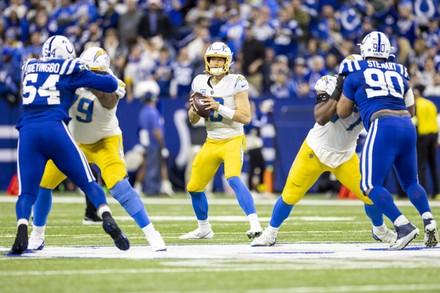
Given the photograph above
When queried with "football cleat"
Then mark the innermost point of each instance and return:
(36, 241)
(431, 232)
(156, 242)
(92, 219)
(21, 240)
(267, 238)
(384, 235)
(111, 228)
(251, 234)
(198, 234)
(405, 234)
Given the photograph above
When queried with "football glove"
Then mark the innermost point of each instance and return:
(326, 84)
(120, 91)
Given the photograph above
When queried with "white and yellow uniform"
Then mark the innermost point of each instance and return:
(225, 138)
(327, 148)
(96, 131)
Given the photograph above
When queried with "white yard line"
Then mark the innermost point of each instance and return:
(307, 201)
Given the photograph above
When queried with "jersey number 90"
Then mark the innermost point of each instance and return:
(383, 83)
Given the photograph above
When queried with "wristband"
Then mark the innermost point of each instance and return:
(322, 98)
(225, 111)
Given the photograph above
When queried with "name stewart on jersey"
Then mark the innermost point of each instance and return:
(356, 65)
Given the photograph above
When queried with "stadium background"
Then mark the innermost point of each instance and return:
(325, 29)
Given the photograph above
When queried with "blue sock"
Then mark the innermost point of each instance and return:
(385, 202)
(280, 212)
(374, 213)
(419, 199)
(200, 205)
(42, 206)
(131, 202)
(95, 193)
(243, 194)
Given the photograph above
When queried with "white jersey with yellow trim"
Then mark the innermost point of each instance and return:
(91, 122)
(335, 142)
(217, 126)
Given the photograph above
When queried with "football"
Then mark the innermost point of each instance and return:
(199, 106)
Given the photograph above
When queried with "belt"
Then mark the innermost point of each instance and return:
(380, 114)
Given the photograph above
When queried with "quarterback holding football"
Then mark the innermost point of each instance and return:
(225, 96)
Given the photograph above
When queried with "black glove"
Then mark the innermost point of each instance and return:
(336, 95)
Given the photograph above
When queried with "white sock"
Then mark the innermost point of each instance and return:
(272, 230)
(381, 228)
(102, 209)
(204, 225)
(149, 229)
(427, 215)
(39, 230)
(401, 220)
(254, 222)
(22, 221)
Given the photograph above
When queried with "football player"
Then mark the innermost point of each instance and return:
(95, 128)
(227, 95)
(383, 94)
(48, 88)
(329, 146)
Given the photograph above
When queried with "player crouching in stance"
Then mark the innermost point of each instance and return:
(329, 146)
(227, 95)
(95, 128)
(48, 87)
(383, 94)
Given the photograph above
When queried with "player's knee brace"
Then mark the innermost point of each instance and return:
(127, 197)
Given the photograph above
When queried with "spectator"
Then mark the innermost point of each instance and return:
(433, 90)
(155, 22)
(128, 23)
(253, 55)
(163, 72)
(183, 72)
(283, 87)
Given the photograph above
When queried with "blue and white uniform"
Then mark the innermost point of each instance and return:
(48, 92)
(376, 86)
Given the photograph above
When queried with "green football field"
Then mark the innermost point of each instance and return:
(325, 246)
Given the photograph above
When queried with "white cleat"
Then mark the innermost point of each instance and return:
(405, 234)
(166, 188)
(384, 235)
(431, 233)
(265, 239)
(36, 241)
(156, 242)
(251, 234)
(198, 234)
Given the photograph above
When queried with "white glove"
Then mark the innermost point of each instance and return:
(120, 91)
(326, 84)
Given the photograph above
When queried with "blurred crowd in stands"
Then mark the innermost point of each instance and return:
(281, 46)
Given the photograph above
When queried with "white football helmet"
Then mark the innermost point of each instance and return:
(375, 44)
(58, 47)
(218, 49)
(96, 59)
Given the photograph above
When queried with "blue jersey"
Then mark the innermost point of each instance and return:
(49, 88)
(375, 86)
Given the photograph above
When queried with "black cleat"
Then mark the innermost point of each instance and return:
(92, 219)
(21, 240)
(111, 228)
